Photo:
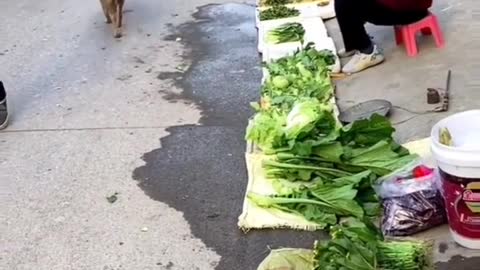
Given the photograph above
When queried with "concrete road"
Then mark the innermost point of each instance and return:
(86, 107)
(157, 117)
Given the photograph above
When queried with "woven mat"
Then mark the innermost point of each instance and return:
(254, 217)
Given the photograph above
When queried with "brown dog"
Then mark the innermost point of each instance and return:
(113, 10)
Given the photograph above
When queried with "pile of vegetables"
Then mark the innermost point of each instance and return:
(305, 74)
(286, 2)
(276, 2)
(320, 170)
(278, 12)
(359, 245)
(288, 32)
(323, 171)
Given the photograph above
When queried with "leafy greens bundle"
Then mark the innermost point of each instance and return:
(320, 170)
(357, 245)
(278, 12)
(288, 32)
(305, 74)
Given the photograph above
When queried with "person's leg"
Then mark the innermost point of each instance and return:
(351, 20)
(368, 54)
(3, 107)
(352, 24)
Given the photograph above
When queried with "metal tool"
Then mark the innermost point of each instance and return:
(445, 95)
(382, 107)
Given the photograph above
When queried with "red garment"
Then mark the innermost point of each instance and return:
(406, 5)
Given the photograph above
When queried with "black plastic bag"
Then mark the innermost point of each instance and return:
(412, 213)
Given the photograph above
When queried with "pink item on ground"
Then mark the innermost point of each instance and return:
(427, 26)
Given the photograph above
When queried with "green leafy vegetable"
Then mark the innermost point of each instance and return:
(322, 203)
(278, 12)
(301, 205)
(380, 158)
(276, 2)
(304, 74)
(305, 116)
(288, 32)
(273, 130)
(359, 245)
(266, 130)
(368, 131)
(302, 172)
(312, 156)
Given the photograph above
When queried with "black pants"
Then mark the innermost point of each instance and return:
(353, 14)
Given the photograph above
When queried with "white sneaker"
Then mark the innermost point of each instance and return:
(337, 67)
(342, 53)
(361, 61)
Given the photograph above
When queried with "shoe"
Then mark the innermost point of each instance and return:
(342, 53)
(336, 67)
(361, 61)
(3, 107)
(345, 54)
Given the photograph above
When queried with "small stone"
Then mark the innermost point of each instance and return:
(178, 39)
(113, 198)
(144, 229)
(60, 219)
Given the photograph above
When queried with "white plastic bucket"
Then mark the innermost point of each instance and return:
(460, 171)
(463, 159)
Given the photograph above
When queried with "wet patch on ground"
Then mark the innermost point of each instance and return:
(459, 262)
(200, 169)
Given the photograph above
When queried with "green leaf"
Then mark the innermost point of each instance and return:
(339, 198)
(368, 131)
(265, 129)
(354, 180)
(331, 152)
(304, 116)
(379, 158)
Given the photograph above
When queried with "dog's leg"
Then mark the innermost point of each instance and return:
(119, 17)
(105, 11)
(120, 13)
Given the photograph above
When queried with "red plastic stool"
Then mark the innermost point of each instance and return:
(407, 33)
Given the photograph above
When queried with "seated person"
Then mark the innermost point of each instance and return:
(352, 16)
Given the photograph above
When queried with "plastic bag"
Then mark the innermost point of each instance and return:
(411, 201)
(411, 178)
